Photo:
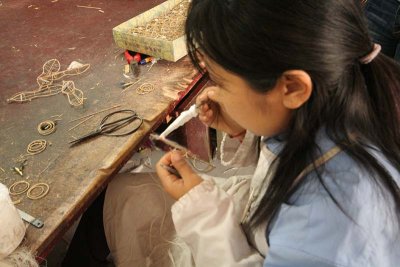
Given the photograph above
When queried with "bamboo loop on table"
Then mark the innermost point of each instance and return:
(44, 190)
(13, 188)
(46, 127)
(43, 187)
(36, 147)
(145, 88)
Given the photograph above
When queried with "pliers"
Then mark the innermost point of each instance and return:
(133, 62)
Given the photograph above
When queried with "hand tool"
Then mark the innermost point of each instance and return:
(133, 62)
(146, 60)
(171, 169)
(20, 169)
(185, 116)
(30, 219)
(129, 58)
(109, 125)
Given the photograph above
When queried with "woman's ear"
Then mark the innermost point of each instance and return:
(296, 88)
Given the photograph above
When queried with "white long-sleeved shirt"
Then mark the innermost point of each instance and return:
(309, 230)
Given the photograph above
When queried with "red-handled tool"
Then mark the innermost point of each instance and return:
(133, 62)
(137, 57)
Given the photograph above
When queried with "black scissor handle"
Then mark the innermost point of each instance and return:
(86, 136)
(132, 112)
(107, 128)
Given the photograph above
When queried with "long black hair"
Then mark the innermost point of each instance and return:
(261, 39)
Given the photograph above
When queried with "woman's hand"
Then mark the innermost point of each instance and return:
(213, 114)
(177, 187)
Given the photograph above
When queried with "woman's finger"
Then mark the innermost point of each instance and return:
(203, 97)
(165, 159)
(189, 177)
(207, 117)
(181, 165)
(172, 184)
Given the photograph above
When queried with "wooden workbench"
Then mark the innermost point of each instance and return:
(58, 29)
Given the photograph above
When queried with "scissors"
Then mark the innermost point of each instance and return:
(108, 126)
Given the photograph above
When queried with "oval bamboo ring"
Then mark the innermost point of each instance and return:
(12, 190)
(44, 190)
(36, 147)
(46, 127)
(145, 89)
